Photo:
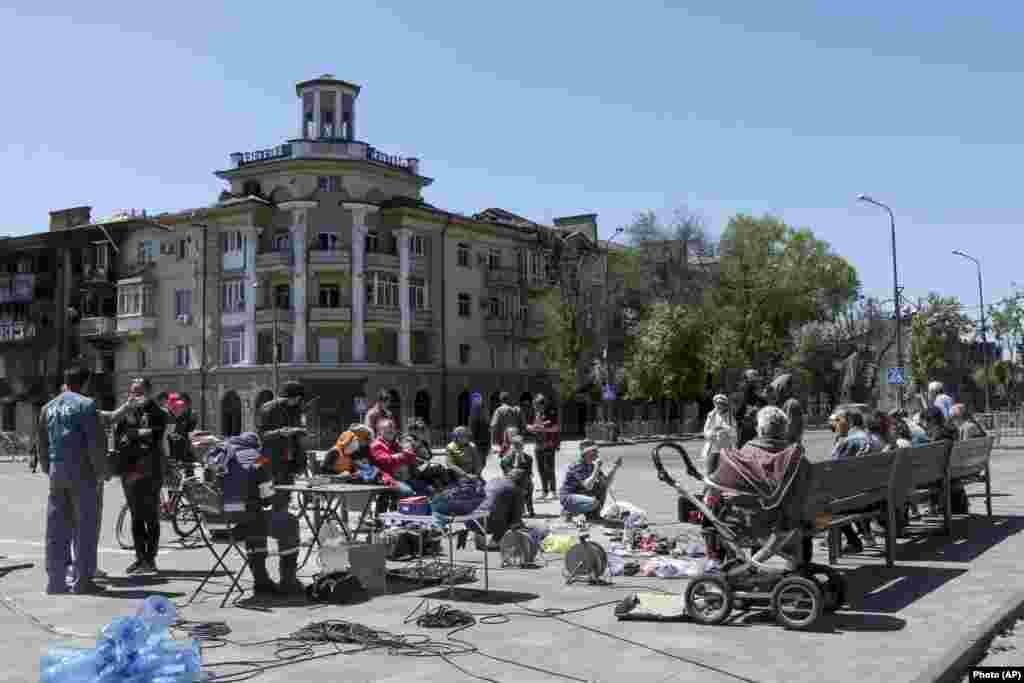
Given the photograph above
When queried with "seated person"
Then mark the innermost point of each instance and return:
(461, 455)
(586, 484)
(432, 475)
(962, 419)
(934, 422)
(517, 466)
(339, 460)
(399, 464)
(851, 438)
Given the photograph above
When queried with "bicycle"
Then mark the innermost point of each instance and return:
(176, 507)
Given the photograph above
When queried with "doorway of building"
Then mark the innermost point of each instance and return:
(421, 406)
(263, 397)
(231, 414)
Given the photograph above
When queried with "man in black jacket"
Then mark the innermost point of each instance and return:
(281, 432)
(750, 401)
(139, 438)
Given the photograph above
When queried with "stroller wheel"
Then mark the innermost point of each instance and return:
(831, 583)
(708, 599)
(797, 602)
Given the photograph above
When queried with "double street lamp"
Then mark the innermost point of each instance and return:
(895, 290)
(984, 330)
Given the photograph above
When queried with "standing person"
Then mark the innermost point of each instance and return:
(750, 402)
(938, 397)
(281, 432)
(719, 432)
(545, 424)
(506, 415)
(184, 422)
(72, 452)
(139, 437)
(379, 411)
(782, 392)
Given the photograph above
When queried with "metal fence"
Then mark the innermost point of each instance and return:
(633, 429)
(1002, 424)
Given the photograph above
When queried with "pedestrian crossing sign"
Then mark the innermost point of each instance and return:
(897, 376)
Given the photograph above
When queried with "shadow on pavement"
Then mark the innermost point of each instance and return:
(972, 537)
(840, 622)
(141, 594)
(481, 596)
(874, 588)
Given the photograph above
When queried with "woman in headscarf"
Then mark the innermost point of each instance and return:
(781, 389)
(719, 431)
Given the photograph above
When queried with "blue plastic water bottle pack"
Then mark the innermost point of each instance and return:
(136, 649)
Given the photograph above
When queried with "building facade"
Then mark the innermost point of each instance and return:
(320, 253)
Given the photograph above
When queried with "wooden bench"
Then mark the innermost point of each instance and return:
(968, 464)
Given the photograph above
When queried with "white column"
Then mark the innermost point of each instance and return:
(298, 237)
(405, 330)
(316, 113)
(250, 296)
(302, 117)
(359, 231)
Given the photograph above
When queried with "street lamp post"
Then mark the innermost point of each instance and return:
(984, 331)
(273, 305)
(202, 357)
(607, 318)
(895, 290)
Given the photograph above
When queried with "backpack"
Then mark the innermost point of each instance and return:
(460, 498)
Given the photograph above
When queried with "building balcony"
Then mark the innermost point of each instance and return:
(325, 148)
(329, 257)
(102, 326)
(93, 275)
(128, 324)
(499, 326)
(18, 288)
(265, 316)
(383, 314)
(423, 318)
(330, 315)
(16, 331)
(381, 259)
(502, 276)
(274, 260)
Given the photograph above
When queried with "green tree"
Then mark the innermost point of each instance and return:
(935, 327)
(666, 357)
(773, 278)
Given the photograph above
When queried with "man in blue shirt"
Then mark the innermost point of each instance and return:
(586, 484)
(72, 451)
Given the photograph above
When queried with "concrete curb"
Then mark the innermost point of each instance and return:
(953, 665)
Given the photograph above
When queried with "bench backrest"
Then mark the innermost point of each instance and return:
(970, 457)
(927, 463)
(850, 484)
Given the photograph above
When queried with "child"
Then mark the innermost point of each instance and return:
(462, 457)
(517, 465)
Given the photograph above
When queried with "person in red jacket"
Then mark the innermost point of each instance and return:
(398, 463)
(549, 439)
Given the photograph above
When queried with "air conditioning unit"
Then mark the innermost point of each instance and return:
(185, 319)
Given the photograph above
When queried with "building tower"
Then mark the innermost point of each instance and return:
(327, 109)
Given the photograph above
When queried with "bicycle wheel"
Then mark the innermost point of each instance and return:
(185, 517)
(123, 529)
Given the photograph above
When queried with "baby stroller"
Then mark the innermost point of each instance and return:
(757, 514)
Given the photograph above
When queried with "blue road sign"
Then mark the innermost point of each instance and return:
(476, 398)
(608, 393)
(897, 376)
(361, 405)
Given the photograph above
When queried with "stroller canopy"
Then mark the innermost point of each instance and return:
(778, 478)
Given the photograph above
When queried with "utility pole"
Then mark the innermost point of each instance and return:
(202, 307)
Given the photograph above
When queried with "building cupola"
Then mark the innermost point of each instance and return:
(327, 108)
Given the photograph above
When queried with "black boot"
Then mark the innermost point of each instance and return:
(262, 585)
(290, 583)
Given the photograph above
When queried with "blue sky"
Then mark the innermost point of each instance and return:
(551, 109)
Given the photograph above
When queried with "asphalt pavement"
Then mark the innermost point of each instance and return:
(899, 622)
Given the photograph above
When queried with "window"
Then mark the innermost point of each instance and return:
(329, 183)
(382, 290)
(328, 241)
(465, 305)
(282, 242)
(102, 256)
(233, 347)
(419, 245)
(233, 241)
(182, 357)
(9, 417)
(182, 249)
(462, 255)
(535, 262)
(493, 308)
(330, 296)
(282, 295)
(148, 250)
(143, 359)
(182, 302)
(372, 242)
(464, 354)
(326, 122)
(494, 357)
(417, 294)
(134, 300)
(251, 187)
(234, 297)
(329, 350)
(494, 258)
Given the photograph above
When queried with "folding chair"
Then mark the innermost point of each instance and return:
(216, 529)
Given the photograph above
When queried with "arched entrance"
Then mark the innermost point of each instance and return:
(421, 406)
(261, 398)
(464, 407)
(231, 414)
(395, 406)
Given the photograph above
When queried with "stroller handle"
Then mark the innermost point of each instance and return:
(663, 475)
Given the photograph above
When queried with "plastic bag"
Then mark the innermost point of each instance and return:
(616, 565)
(138, 649)
(559, 543)
(620, 509)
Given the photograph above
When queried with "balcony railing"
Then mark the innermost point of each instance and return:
(240, 159)
(328, 257)
(274, 259)
(502, 326)
(12, 331)
(97, 326)
(423, 317)
(265, 316)
(325, 315)
(502, 276)
(325, 148)
(383, 314)
(93, 274)
(382, 259)
(135, 323)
